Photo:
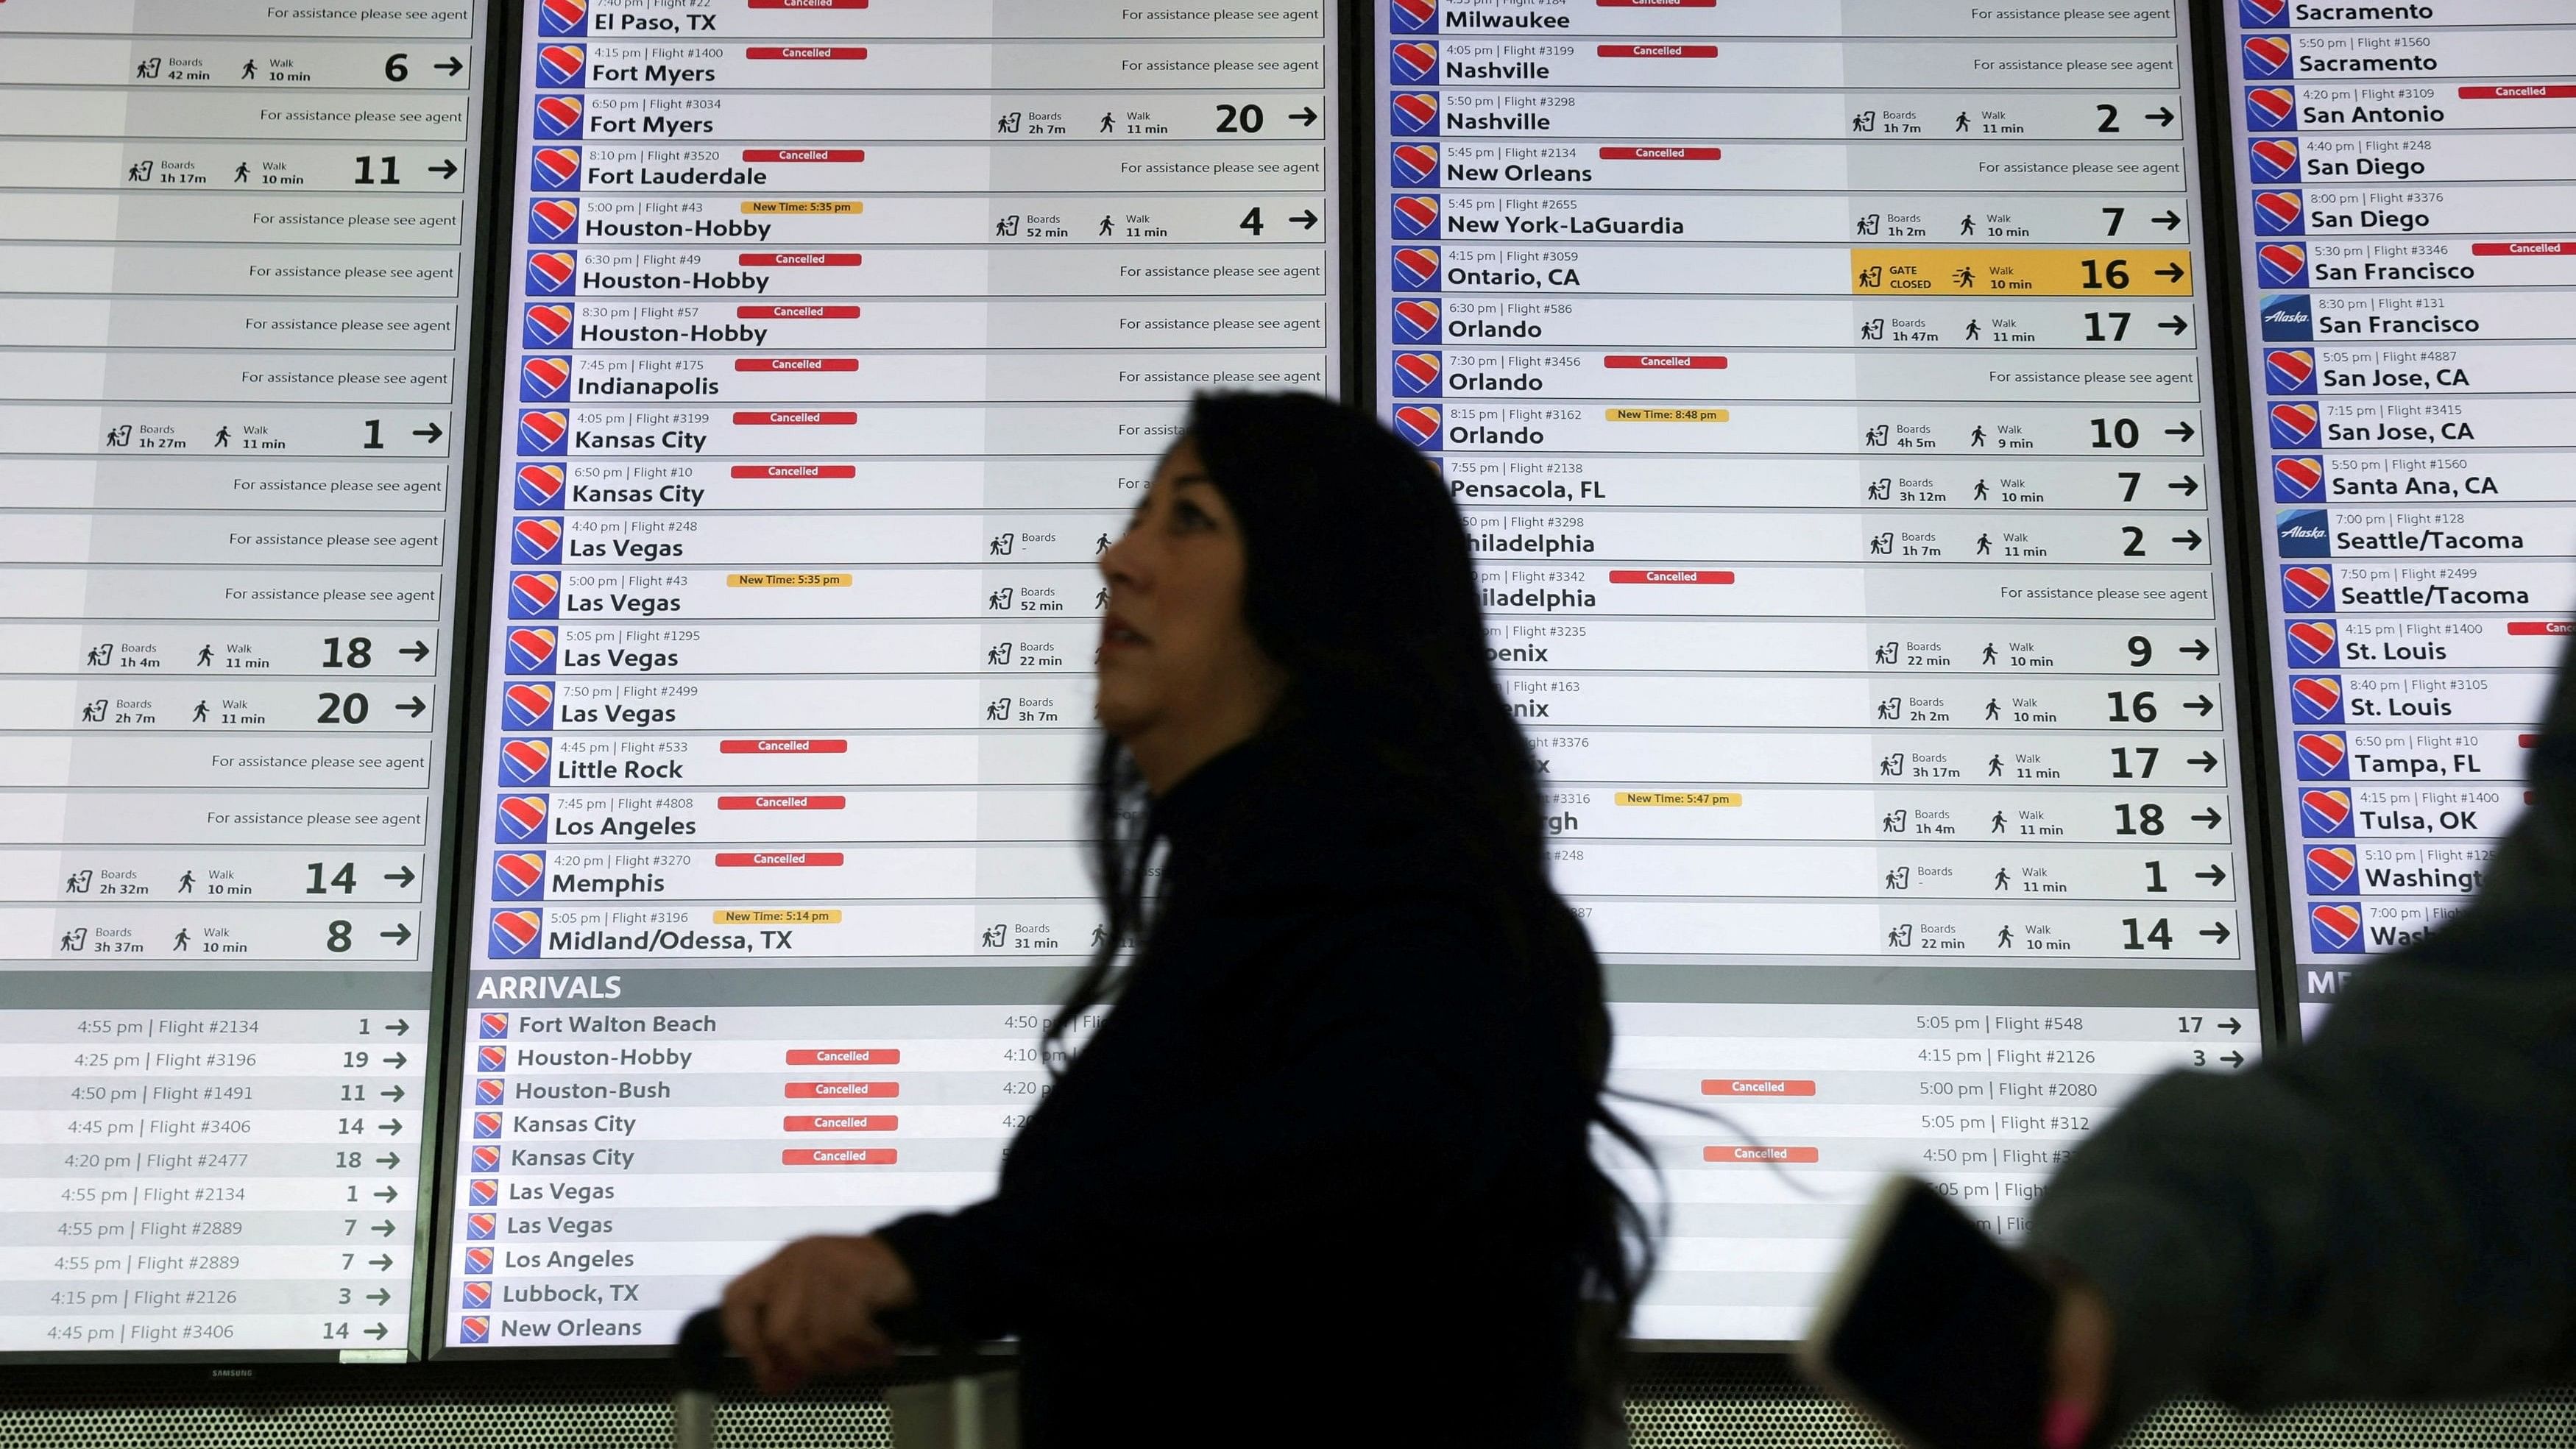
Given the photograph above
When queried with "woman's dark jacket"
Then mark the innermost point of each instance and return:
(1314, 1180)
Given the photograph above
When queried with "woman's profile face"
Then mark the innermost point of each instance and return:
(1177, 663)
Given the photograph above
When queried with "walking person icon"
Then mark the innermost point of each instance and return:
(187, 881)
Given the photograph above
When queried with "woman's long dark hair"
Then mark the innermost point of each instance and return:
(1359, 582)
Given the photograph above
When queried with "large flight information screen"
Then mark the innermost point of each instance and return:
(1828, 391)
(843, 335)
(2408, 219)
(235, 275)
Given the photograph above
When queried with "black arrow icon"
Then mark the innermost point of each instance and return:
(398, 935)
(2209, 819)
(385, 1194)
(397, 1061)
(2187, 487)
(381, 1297)
(1306, 117)
(451, 65)
(402, 877)
(413, 706)
(389, 1161)
(2162, 117)
(383, 1229)
(2184, 431)
(431, 434)
(2231, 1026)
(2197, 649)
(395, 1128)
(2169, 220)
(2188, 538)
(2219, 933)
(2234, 1059)
(398, 1025)
(2202, 705)
(394, 1093)
(377, 1331)
(2205, 760)
(446, 170)
(2170, 271)
(1306, 219)
(2175, 325)
(2215, 877)
(416, 651)
(381, 1262)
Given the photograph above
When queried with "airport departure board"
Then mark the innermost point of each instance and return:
(1828, 391)
(843, 335)
(235, 269)
(2408, 230)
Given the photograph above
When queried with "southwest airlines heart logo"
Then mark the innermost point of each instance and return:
(553, 220)
(2335, 928)
(548, 323)
(1413, 113)
(522, 817)
(2290, 372)
(2271, 108)
(525, 762)
(558, 117)
(1417, 269)
(2267, 57)
(555, 168)
(2308, 589)
(537, 539)
(1419, 425)
(533, 596)
(2280, 213)
(528, 706)
(1417, 320)
(2332, 869)
(1417, 374)
(1415, 166)
(531, 650)
(551, 274)
(2275, 160)
(489, 1093)
(2298, 480)
(2325, 812)
(2259, 13)
(2317, 699)
(541, 486)
(2313, 645)
(545, 379)
(563, 17)
(495, 1058)
(2283, 264)
(479, 1260)
(1412, 17)
(2322, 756)
(559, 67)
(2294, 425)
(1415, 62)
(1416, 216)
(514, 935)
(496, 1025)
(519, 876)
(542, 434)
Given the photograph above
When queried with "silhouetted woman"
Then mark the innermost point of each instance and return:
(1324, 1175)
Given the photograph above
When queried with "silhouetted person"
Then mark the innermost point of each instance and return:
(1336, 1127)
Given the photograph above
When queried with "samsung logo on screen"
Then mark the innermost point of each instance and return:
(2288, 318)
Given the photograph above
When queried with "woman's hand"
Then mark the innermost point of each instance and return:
(2079, 1366)
(812, 1309)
